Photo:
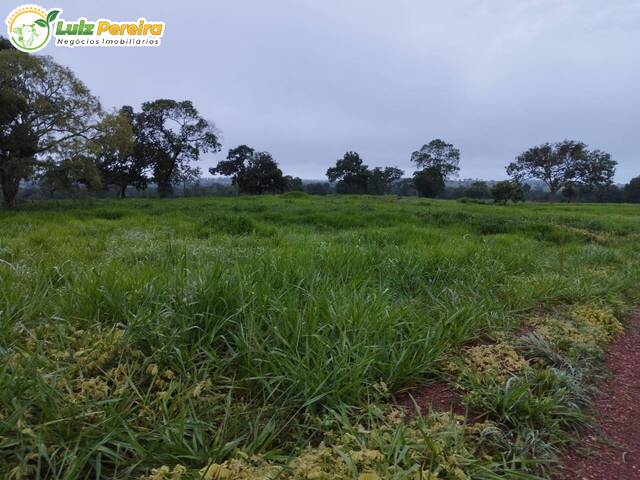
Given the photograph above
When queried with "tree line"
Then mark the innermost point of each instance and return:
(53, 131)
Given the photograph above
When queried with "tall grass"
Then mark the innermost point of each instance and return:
(265, 311)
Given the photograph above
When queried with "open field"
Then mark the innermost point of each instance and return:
(184, 333)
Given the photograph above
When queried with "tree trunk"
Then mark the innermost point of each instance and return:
(10, 188)
(165, 189)
(123, 192)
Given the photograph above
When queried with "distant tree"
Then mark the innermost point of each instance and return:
(172, 134)
(477, 190)
(293, 183)
(43, 106)
(404, 187)
(438, 155)
(236, 163)
(632, 190)
(263, 175)
(595, 170)
(119, 154)
(562, 164)
(185, 177)
(609, 193)
(318, 188)
(503, 192)
(429, 182)
(70, 174)
(553, 164)
(381, 179)
(351, 175)
(253, 172)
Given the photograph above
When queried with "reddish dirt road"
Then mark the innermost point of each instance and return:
(615, 453)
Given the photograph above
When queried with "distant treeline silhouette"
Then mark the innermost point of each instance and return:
(57, 141)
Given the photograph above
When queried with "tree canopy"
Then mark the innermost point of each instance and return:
(353, 176)
(172, 134)
(505, 191)
(429, 182)
(350, 173)
(438, 155)
(119, 153)
(565, 164)
(253, 172)
(436, 161)
(632, 190)
(43, 105)
(381, 179)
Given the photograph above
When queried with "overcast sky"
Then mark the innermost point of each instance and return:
(309, 79)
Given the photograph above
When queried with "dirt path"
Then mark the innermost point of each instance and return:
(615, 456)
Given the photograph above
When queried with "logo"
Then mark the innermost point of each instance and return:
(31, 27)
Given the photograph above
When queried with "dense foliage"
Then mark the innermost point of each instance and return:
(564, 165)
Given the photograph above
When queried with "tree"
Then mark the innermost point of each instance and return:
(172, 134)
(438, 155)
(351, 175)
(263, 175)
(380, 179)
(253, 172)
(477, 190)
(595, 170)
(293, 183)
(564, 164)
(632, 190)
(236, 163)
(504, 191)
(318, 188)
(119, 154)
(43, 106)
(429, 182)
(570, 191)
(186, 176)
(404, 187)
(69, 174)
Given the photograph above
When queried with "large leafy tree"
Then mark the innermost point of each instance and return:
(436, 161)
(119, 152)
(505, 191)
(351, 175)
(43, 106)
(253, 172)
(172, 134)
(381, 179)
(595, 170)
(429, 182)
(70, 174)
(438, 155)
(564, 165)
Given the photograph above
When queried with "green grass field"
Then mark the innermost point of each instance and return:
(264, 337)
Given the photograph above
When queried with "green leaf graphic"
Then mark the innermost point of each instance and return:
(51, 16)
(41, 23)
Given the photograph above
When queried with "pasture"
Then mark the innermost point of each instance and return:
(267, 336)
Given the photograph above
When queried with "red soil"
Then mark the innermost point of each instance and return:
(615, 453)
(434, 396)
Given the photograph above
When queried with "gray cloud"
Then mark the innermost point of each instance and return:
(308, 80)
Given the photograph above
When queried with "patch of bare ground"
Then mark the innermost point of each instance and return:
(614, 452)
(438, 396)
